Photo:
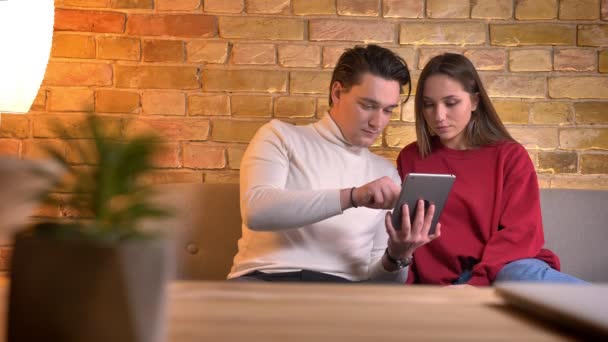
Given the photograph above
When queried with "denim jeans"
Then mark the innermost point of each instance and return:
(534, 270)
(531, 270)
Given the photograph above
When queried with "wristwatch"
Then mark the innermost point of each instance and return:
(400, 263)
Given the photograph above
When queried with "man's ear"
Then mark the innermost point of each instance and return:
(336, 89)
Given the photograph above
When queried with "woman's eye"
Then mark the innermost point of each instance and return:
(451, 104)
(427, 104)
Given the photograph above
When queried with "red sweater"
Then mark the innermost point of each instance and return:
(492, 216)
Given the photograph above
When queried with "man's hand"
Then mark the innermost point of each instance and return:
(381, 193)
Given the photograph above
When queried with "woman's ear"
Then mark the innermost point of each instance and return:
(474, 101)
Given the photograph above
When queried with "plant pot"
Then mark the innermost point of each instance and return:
(83, 290)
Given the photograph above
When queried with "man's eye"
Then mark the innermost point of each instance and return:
(366, 106)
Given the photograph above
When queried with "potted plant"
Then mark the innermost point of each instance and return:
(102, 277)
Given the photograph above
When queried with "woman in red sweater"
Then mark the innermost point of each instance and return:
(491, 224)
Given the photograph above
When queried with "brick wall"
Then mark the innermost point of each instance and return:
(207, 74)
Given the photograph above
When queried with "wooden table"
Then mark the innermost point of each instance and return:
(224, 311)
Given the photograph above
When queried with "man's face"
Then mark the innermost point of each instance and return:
(363, 112)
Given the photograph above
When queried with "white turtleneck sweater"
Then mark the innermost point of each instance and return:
(290, 184)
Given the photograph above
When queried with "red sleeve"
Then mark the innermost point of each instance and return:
(519, 233)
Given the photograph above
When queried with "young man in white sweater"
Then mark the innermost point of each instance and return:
(314, 199)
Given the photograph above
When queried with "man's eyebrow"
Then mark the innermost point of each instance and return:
(372, 101)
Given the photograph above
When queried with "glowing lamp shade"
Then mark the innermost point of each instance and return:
(26, 33)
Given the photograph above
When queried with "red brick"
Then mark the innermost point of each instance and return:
(351, 30)
(40, 100)
(235, 131)
(69, 99)
(14, 126)
(73, 46)
(267, 6)
(221, 177)
(89, 21)
(167, 155)
(146, 4)
(291, 106)
(447, 8)
(358, 7)
(209, 105)
(38, 148)
(203, 156)
(453, 33)
(82, 3)
(116, 101)
(224, 6)
(157, 77)
(313, 7)
(426, 54)
(164, 51)
(10, 147)
(247, 105)
(253, 54)
(487, 59)
(331, 54)
(244, 80)
(71, 126)
(174, 128)
(525, 86)
(299, 55)
(122, 48)
(532, 34)
(207, 51)
(177, 5)
(81, 151)
(593, 35)
(261, 28)
(164, 102)
(172, 176)
(403, 9)
(78, 74)
(178, 25)
(308, 82)
(574, 60)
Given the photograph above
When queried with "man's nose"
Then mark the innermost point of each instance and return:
(375, 119)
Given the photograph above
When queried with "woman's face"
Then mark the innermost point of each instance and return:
(447, 109)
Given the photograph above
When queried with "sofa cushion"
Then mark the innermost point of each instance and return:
(575, 223)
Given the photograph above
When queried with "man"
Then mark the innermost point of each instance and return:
(313, 197)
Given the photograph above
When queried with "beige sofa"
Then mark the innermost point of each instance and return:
(208, 225)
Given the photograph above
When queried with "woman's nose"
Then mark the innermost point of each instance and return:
(439, 113)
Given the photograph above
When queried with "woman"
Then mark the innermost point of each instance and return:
(492, 227)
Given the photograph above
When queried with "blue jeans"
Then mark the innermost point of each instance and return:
(534, 270)
(531, 270)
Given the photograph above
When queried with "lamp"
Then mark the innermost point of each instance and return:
(26, 33)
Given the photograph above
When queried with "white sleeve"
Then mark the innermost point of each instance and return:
(266, 204)
(376, 270)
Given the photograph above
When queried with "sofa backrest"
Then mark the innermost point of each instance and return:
(208, 226)
(576, 229)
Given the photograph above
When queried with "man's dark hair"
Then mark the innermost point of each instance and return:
(374, 59)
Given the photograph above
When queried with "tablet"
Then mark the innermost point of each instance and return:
(431, 187)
